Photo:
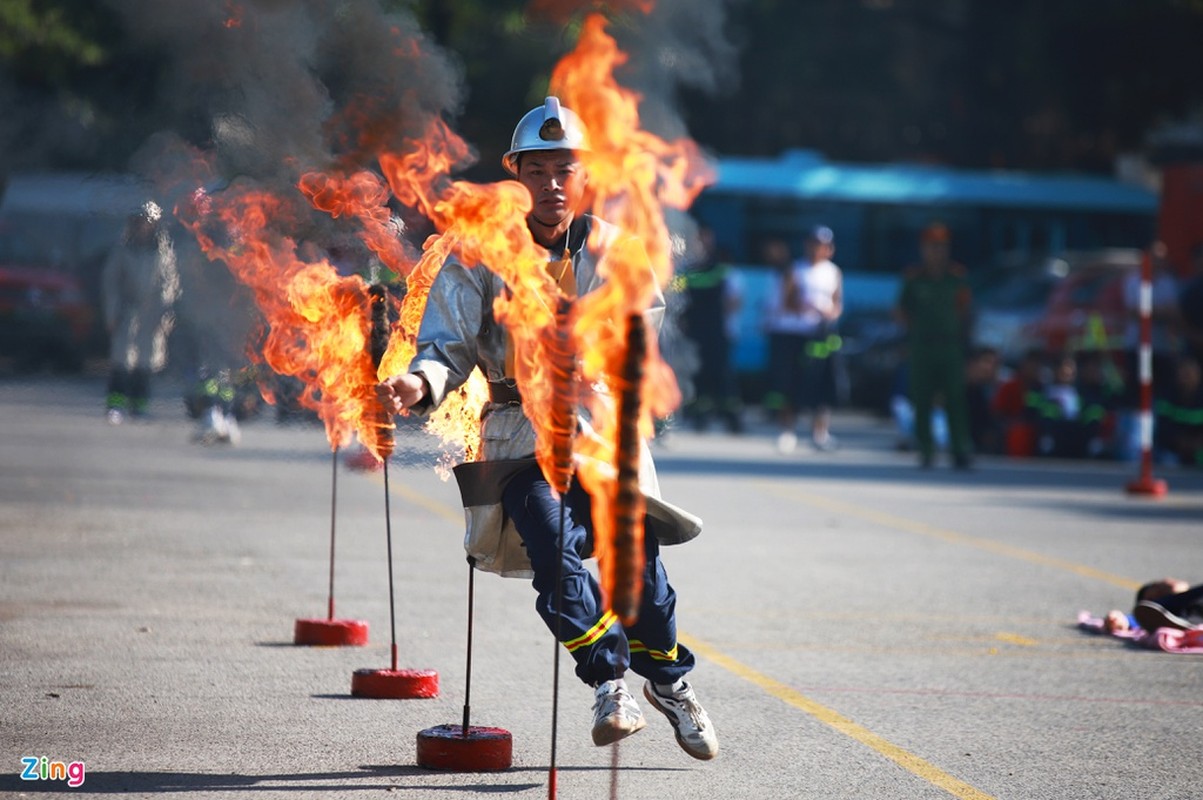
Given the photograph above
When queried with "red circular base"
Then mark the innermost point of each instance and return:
(330, 632)
(1150, 487)
(395, 684)
(482, 750)
(362, 459)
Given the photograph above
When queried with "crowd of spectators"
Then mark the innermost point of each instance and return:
(1078, 406)
(1082, 403)
(1087, 403)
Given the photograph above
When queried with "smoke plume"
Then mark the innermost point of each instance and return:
(260, 92)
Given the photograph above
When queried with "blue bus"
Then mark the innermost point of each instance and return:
(998, 219)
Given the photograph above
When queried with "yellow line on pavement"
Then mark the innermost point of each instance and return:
(908, 761)
(923, 529)
(1015, 638)
(436, 507)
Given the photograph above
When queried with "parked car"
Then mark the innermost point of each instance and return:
(56, 230)
(1008, 312)
(1009, 303)
(1068, 303)
(44, 318)
(1086, 309)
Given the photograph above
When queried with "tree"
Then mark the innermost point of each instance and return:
(1016, 83)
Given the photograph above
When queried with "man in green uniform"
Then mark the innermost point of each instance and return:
(934, 306)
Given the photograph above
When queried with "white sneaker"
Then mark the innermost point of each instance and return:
(233, 432)
(827, 444)
(695, 731)
(212, 428)
(787, 442)
(616, 715)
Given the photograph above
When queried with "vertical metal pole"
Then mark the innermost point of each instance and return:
(333, 507)
(555, 693)
(468, 668)
(614, 771)
(1146, 484)
(388, 532)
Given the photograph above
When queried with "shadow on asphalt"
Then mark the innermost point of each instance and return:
(175, 782)
(1125, 508)
(1059, 475)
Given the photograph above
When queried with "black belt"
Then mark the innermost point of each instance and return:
(505, 392)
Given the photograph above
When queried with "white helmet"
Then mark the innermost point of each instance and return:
(546, 127)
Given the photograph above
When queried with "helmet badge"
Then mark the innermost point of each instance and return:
(552, 130)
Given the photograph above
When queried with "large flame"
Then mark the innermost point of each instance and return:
(362, 196)
(317, 323)
(480, 225)
(634, 175)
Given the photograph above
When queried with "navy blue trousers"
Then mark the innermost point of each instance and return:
(601, 646)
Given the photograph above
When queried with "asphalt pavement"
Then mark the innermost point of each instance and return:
(864, 629)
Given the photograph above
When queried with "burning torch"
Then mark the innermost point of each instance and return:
(627, 567)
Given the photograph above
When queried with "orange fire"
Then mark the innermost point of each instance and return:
(634, 175)
(482, 225)
(479, 224)
(317, 320)
(457, 421)
(361, 196)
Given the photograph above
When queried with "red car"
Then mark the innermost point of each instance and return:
(44, 318)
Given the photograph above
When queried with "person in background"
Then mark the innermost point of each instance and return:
(803, 319)
(213, 325)
(934, 307)
(712, 297)
(139, 285)
(1190, 305)
(1163, 603)
(1060, 430)
(981, 386)
(1178, 417)
(1100, 390)
(903, 414)
(786, 344)
(1016, 405)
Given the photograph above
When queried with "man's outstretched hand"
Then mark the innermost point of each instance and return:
(401, 391)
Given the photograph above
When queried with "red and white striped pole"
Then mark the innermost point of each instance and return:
(1146, 484)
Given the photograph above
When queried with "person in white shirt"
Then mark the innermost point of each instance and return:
(802, 321)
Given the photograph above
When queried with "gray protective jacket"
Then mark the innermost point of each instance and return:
(457, 334)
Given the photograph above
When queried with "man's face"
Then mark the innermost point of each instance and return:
(934, 252)
(556, 181)
(817, 251)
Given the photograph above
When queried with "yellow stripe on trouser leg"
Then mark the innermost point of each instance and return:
(593, 634)
(656, 655)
